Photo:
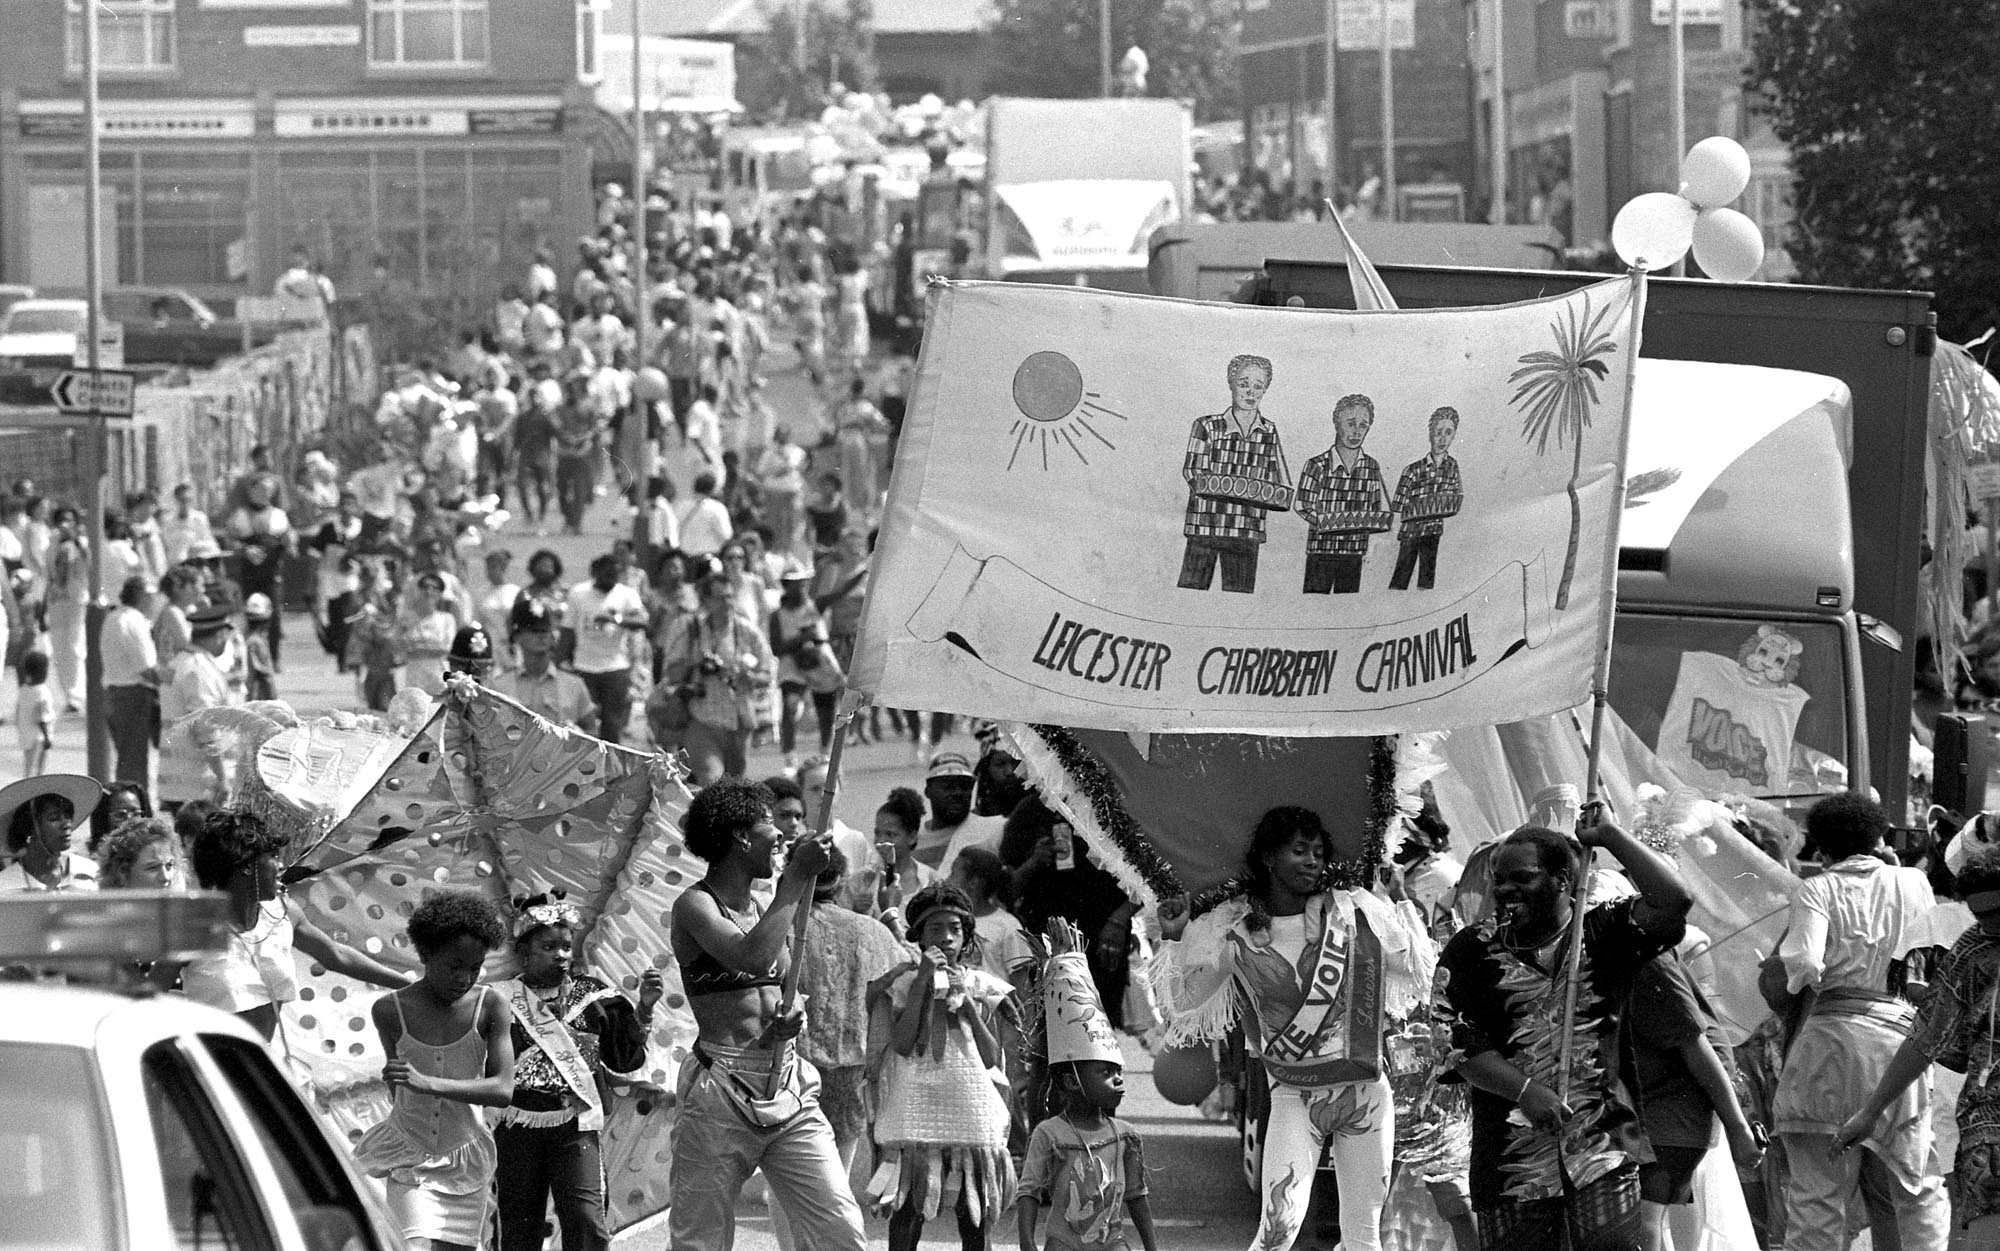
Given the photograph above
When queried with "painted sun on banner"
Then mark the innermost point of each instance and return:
(1154, 515)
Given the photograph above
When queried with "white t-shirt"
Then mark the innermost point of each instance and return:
(705, 526)
(1003, 944)
(600, 645)
(939, 847)
(1726, 731)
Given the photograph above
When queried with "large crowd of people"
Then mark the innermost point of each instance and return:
(1498, 1090)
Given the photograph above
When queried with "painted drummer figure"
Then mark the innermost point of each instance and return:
(748, 1100)
(1235, 471)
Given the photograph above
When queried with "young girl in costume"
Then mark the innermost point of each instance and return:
(451, 1051)
(943, 1120)
(1086, 1168)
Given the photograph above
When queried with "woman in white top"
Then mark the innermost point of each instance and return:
(257, 973)
(183, 527)
(39, 816)
(426, 628)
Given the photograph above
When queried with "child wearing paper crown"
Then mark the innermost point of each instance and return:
(942, 1125)
(1084, 1166)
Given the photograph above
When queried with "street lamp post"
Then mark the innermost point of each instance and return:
(97, 733)
(1388, 117)
(1497, 211)
(1677, 106)
(639, 418)
(1104, 48)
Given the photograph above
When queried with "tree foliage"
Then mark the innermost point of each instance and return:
(1050, 48)
(839, 47)
(1892, 113)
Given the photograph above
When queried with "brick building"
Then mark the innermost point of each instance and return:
(1588, 115)
(446, 138)
(1284, 65)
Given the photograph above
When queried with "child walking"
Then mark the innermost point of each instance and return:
(35, 714)
(259, 665)
(1004, 950)
(943, 1120)
(451, 1051)
(1085, 1167)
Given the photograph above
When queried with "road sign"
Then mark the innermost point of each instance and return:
(106, 392)
(1358, 24)
(110, 347)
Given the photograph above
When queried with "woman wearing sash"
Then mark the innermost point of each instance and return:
(748, 1100)
(1324, 972)
(567, 1026)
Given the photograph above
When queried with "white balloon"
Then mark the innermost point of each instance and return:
(1727, 245)
(1715, 172)
(1653, 230)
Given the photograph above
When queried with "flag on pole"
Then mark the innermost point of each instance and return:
(1136, 514)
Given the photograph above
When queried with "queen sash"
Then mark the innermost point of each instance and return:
(556, 1042)
(1336, 1034)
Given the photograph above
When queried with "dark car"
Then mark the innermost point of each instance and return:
(169, 326)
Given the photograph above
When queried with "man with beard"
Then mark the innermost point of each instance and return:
(748, 1100)
(1559, 1162)
(567, 1026)
(952, 827)
(998, 785)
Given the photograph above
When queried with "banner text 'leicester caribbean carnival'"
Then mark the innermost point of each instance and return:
(1156, 515)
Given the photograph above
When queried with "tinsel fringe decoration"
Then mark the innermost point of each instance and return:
(1082, 790)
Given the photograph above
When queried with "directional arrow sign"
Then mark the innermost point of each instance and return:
(108, 392)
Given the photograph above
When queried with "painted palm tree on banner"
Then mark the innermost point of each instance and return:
(1557, 396)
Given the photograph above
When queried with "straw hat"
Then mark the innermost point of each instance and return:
(82, 793)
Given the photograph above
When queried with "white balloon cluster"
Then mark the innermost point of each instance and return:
(1655, 230)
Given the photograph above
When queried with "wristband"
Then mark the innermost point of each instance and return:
(1526, 1081)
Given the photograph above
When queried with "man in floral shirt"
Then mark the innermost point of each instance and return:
(1344, 501)
(1235, 472)
(1554, 1151)
(1428, 492)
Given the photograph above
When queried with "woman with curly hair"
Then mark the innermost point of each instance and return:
(748, 1100)
(257, 973)
(142, 854)
(1325, 969)
(451, 1052)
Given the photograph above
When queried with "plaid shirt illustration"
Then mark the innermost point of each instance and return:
(1343, 506)
(1428, 492)
(1214, 447)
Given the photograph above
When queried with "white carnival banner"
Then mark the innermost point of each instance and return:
(1140, 514)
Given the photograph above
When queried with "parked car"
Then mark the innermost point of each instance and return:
(136, 1121)
(39, 337)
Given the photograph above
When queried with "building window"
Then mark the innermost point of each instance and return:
(131, 35)
(590, 40)
(427, 32)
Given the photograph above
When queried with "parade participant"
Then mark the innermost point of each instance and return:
(260, 668)
(901, 874)
(451, 1052)
(747, 1100)
(471, 653)
(424, 630)
(35, 713)
(1054, 878)
(1084, 1167)
(181, 592)
(186, 525)
(1543, 1165)
(948, 786)
(143, 854)
(845, 953)
(257, 974)
(942, 1123)
(122, 802)
(194, 766)
(68, 594)
(704, 520)
(550, 693)
(605, 611)
(719, 664)
(336, 542)
(545, 571)
(131, 676)
(1004, 950)
(1957, 1028)
(263, 538)
(567, 1026)
(39, 815)
(1850, 926)
(1676, 1052)
(1264, 955)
